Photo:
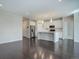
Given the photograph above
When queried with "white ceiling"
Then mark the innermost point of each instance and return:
(40, 8)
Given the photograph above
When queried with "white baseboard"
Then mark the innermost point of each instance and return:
(8, 41)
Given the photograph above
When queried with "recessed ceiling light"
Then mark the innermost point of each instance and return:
(0, 5)
(60, 0)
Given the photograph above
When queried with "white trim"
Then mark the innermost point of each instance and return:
(73, 12)
(9, 41)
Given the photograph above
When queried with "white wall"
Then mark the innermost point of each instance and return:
(68, 27)
(76, 27)
(10, 27)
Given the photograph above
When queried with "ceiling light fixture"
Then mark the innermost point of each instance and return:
(0, 5)
(60, 0)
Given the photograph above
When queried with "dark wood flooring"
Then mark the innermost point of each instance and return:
(41, 49)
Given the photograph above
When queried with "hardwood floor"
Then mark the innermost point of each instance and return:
(11, 50)
(29, 49)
